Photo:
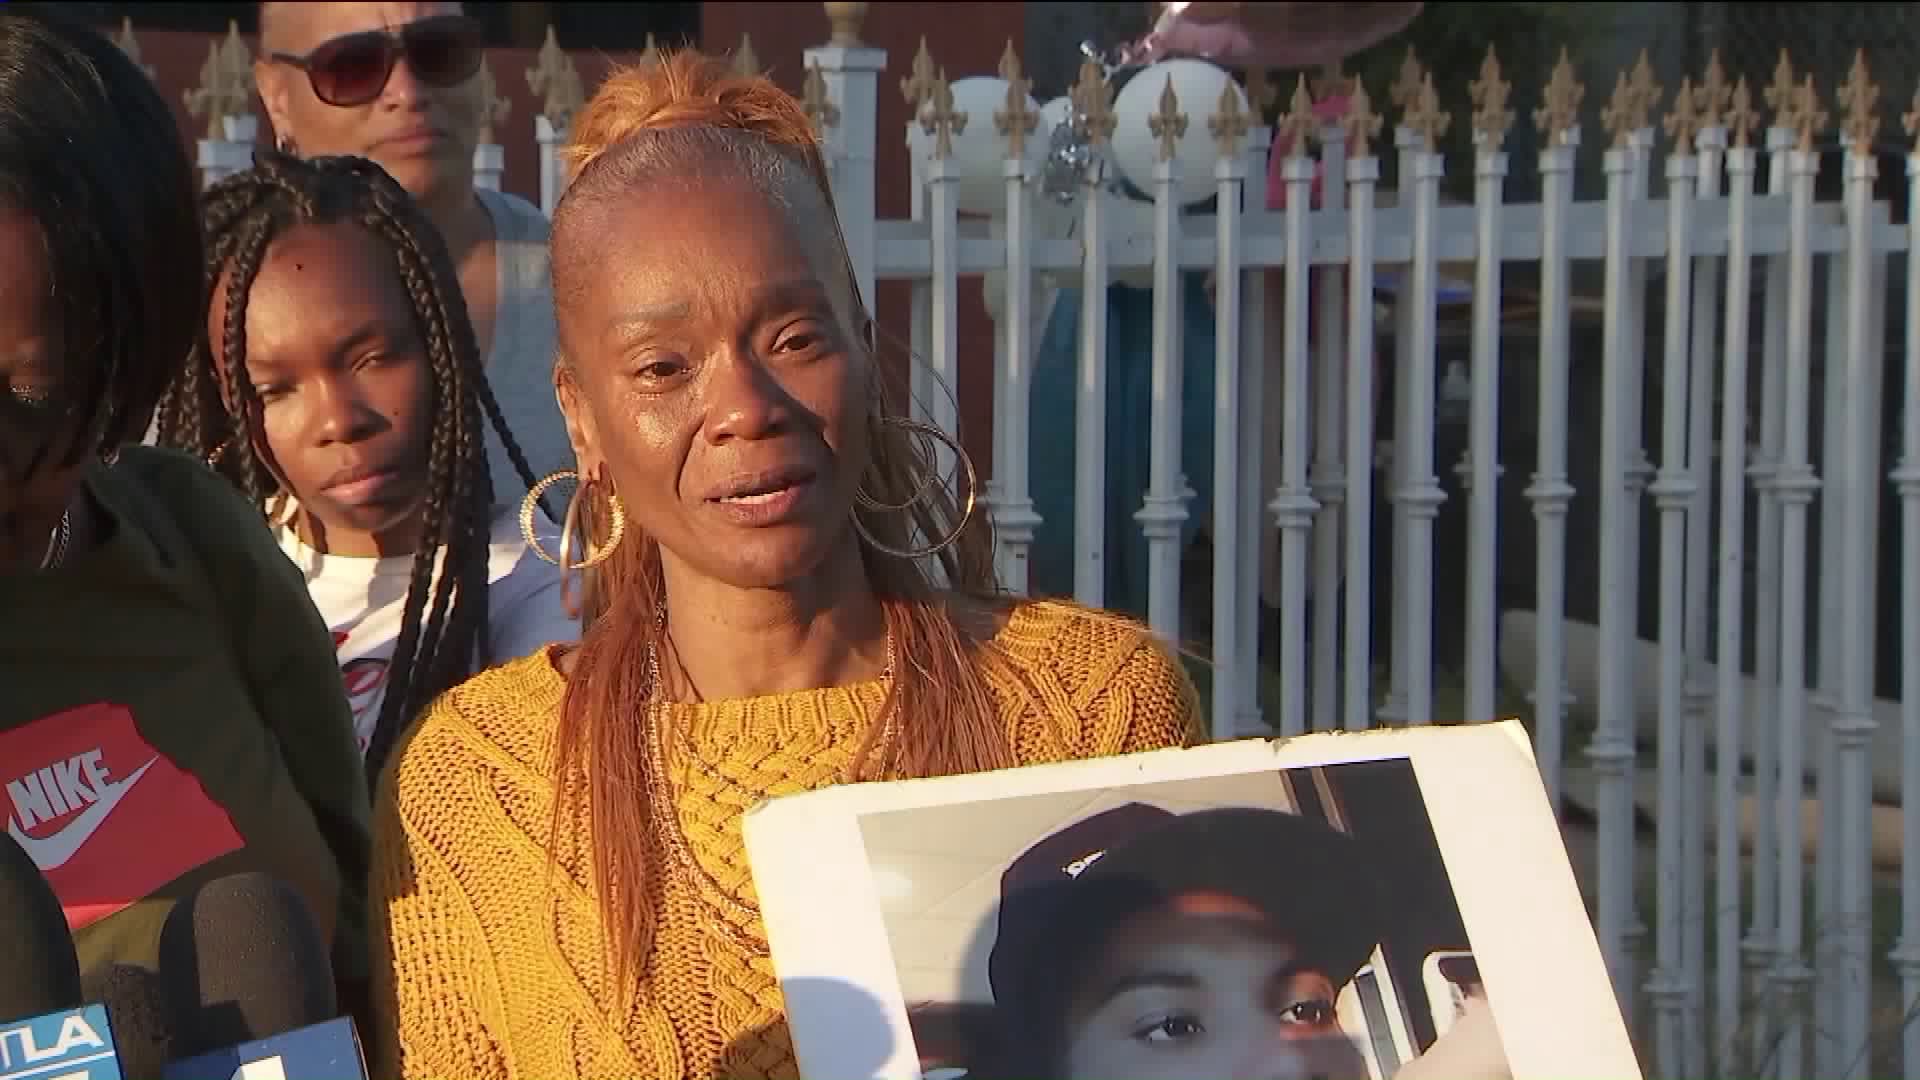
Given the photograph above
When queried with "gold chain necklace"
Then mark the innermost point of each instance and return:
(735, 914)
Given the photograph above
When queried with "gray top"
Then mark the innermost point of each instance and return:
(520, 362)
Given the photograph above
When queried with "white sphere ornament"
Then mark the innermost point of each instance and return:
(979, 151)
(1136, 150)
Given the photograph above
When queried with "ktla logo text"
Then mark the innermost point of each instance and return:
(71, 1045)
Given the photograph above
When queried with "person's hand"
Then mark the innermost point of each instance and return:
(1470, 1050)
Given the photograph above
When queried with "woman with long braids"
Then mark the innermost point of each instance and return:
(340, 388)
(169, 707)
(560, 881)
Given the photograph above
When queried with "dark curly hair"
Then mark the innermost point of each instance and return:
(210, 411)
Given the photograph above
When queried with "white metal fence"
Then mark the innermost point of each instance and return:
(1749, 982)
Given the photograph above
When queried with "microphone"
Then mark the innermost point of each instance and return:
(136, 1004)
(45, 1031)
(39, 972)
(247, 968)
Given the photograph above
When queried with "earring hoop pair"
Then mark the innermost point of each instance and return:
(968, 501)
(617, 514)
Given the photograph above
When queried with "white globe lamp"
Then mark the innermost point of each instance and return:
(1198, 86)
(979, 151)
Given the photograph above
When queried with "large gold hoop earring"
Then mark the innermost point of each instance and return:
(970, 499)
(570, 523)
(927, 434)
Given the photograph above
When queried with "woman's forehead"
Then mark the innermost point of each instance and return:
(689, 244)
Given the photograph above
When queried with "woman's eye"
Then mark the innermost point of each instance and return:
(1169, 1029)
(1313, 1012)
(35, 404)
(660, 366)
(799, 339)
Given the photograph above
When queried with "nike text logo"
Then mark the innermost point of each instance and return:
(59, 789)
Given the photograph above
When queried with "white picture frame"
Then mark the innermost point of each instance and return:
(840, 920)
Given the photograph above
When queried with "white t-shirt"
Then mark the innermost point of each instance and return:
(363, 601)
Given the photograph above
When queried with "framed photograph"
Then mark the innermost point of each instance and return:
(1345, 906)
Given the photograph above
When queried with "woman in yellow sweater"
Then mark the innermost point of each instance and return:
(560, 887)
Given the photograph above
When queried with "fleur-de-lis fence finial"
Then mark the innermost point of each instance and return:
(1742, 119)
(1683, 122)
(557, 81)
(1297, 125)
(1491, 117)
(1809, 118)
(1783, 94)
(1559, 110)
(1093, 102)
(1426, 118)
(746, 62)
(1015, 120)
(129, 43)
(1713, 94)
(940, 119)
(815, 103)
(226, 83)
(1861, 99)
(1167, 123)
(1228, 124)
(494, 106)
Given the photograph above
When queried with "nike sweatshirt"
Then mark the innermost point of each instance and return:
(170, 712)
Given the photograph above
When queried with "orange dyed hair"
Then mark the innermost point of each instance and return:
(689, 89)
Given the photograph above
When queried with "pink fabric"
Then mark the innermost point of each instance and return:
(1326, 112)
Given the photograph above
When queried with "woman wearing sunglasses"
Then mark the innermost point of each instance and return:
(394, 82)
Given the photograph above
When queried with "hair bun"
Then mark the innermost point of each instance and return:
(685, 88)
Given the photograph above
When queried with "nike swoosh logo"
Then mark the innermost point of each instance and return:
(52, 852)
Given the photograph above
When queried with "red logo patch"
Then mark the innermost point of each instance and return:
(106, 817)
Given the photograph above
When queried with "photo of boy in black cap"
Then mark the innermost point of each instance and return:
(1211, 945)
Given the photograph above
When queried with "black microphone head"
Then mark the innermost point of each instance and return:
(39, 972)
(140, 1016)
(243, 959)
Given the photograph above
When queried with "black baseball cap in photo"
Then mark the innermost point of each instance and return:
(1061, 897)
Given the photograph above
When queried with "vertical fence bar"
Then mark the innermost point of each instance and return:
(1906, 478)
(1164, 511)
(1852, 724)
(1329, 477)
(1551, 493)
(1363, 176)
(1710, 145)
(1294, 507)
(1233, 563)
(1253, 361)
(1729, 716)
(1612, 748)
(1796, 485)
(1490, 123)
(1423, 494)
(1093, 102)
(1014, 522)
(1759, 947)
(1669, 987)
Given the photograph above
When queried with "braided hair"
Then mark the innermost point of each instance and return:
(211, 409)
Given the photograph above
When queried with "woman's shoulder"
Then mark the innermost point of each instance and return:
(168, 491)
(1079, 642)
(504, 715)
(1087, 682)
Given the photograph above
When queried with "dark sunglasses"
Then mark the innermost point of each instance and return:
(353, 69)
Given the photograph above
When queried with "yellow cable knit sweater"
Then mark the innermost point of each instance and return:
(486, 966)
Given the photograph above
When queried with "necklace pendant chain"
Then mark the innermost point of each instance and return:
(58, 542)
(732, 915)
